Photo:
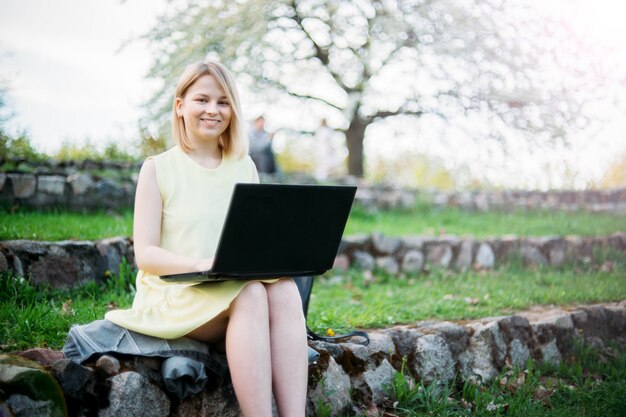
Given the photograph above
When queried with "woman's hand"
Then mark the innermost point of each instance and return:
(204, 264)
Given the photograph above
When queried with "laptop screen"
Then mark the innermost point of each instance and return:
(275, 229)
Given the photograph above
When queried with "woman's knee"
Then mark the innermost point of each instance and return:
(252, 297)
(284, 296)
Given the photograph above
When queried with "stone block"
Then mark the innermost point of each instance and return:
(350, 244)
(220, 402)
(413, 243)
(531, 255)
(80, 183)
(341, 263)
(433, 359)
(133, 395)
(379, 378)
(380, 344)
(456, 336)
(485, 258)
(51, 184)
(439, 255)
(388, 264)
(109, 365)
(464, 258)
(333, 390)
(363, 260)
(412, 262)
(24, 185)
(486, 353)
(384, 245)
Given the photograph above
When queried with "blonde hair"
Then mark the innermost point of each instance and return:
(234, 140)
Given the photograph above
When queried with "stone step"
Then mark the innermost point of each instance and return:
(348, 373)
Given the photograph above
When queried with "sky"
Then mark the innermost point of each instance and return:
(70, 79)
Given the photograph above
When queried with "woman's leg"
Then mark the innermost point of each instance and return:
(248, 350)
(288, 348)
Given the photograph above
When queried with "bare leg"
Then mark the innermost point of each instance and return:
(248, 350)
(288, 348)
(212, 331)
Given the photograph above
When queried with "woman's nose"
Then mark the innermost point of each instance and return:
(211, 107)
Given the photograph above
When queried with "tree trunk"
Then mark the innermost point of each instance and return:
(354, 139)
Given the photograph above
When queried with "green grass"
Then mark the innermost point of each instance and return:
(430, 220)
(591, 383)
(32, 317)
(58, 225)
(357, 302)
(423, 220)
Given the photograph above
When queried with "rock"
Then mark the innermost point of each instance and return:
(486, 353)
(23, 406)
(555, 249)
(413, 262)
(363, 260)
(378, 379)
(531, 255)
(485, 258)
(341, 263)
(384, 245)
(349, 244)
(56, 271)
(220, 402)
(80, 183)
(51, 184)
(24, 185)
(518, 336)
(433, 359)
(439, 255)
(413, 243)
(380, 343)
(464, 258)
(108, 365)
(388, 264)
(133, 395)
(43, 357)
(113, 252)
(456, 336)
(77, 381)
(550, 352)
(4, 264)
(34, 391)
(333, 391)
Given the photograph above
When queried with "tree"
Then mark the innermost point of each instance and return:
(366, 61)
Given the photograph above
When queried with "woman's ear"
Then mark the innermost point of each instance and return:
(179, 104)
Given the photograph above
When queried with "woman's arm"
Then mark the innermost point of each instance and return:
(147, 231)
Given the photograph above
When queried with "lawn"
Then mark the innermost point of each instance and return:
(588, 385)
(423, 220)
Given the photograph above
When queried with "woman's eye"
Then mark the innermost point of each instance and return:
(223, 103)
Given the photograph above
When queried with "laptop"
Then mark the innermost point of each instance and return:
(278, 230)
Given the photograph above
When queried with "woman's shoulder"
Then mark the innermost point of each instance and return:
(170, 153)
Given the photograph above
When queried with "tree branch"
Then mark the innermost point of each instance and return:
(321, 53)
(298, 95)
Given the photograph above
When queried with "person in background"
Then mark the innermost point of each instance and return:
(181, 202)
(261, 150)
(326, 157)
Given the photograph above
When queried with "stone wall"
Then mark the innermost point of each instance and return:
(346, 375)
(112, 187)
(608, 201)
(68, 263)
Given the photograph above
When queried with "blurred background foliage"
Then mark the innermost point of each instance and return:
(501, 76)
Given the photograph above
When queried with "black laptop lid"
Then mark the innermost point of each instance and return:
(275, 229)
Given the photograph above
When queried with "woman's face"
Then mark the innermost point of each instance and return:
(205, 109)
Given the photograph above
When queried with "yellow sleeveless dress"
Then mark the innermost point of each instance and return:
(195, 201)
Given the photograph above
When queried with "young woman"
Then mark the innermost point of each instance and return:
(181, 202)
